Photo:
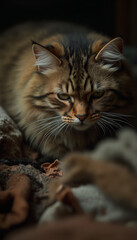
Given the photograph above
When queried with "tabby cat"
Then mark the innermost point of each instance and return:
(65, 90)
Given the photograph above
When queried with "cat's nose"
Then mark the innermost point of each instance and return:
(81, 117)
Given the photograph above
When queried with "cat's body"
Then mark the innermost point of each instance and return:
(59, 92)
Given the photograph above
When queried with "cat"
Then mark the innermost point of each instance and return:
(67, 88)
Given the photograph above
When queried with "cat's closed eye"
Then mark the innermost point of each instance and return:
(98, 94)
(63, 96)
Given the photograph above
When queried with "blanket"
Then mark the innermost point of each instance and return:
(92, 195)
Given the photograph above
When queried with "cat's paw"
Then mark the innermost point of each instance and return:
(75, 160)
(75, 168)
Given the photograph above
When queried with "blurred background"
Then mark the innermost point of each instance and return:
(111, 17)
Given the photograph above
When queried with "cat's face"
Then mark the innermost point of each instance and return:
(79, 87)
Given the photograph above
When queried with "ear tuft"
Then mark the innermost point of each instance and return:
(45, 60)
(111, 54)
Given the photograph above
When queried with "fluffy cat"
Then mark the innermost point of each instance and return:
(67, 85)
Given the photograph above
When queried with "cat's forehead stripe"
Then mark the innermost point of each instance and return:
(68, 87)
(72, 86)
(88, 87)
(85, 84)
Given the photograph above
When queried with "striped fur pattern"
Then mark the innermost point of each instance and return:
(67, 89)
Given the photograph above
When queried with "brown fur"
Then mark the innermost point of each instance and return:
(73, 71)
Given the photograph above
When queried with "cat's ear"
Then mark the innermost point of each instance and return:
(111, 54)
(45, 59)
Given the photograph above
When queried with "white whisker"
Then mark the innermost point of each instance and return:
(45, 124)
(117, 119)
(43, 128)
(49, 132)
(111, 122)
(118, 115)
(100, 124)
(44, 120)
(61, 128)
(67, 126)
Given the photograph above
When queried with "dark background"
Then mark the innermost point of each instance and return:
(111, 17)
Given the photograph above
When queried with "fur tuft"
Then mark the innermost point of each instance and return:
(111, 57)
(43, 61)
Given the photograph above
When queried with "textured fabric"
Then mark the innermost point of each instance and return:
(16, 198)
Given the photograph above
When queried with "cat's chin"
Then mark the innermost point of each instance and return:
(81, 127)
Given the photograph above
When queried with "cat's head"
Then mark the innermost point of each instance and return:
(80, 80)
